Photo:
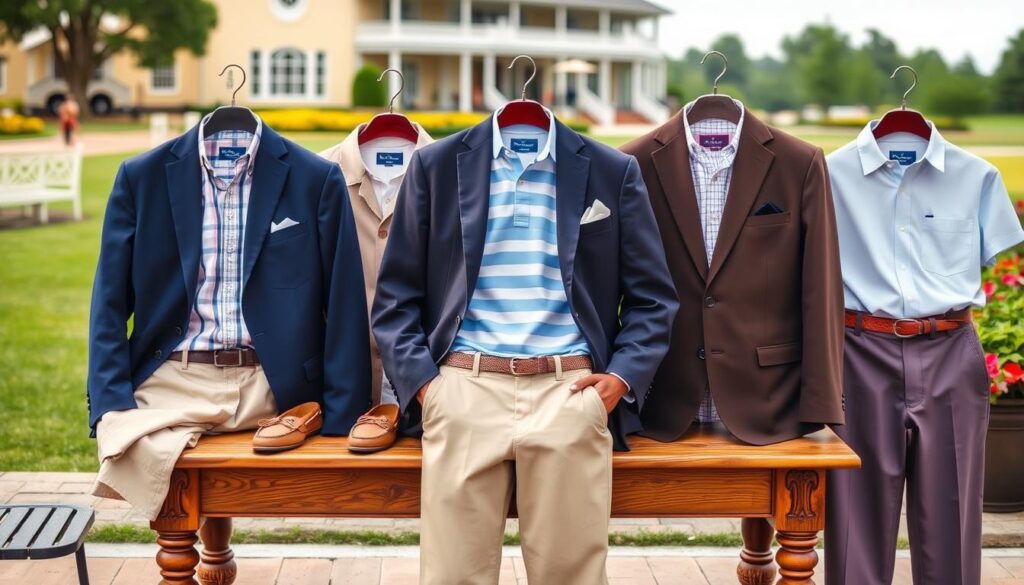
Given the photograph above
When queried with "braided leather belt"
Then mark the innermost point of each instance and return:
(519, 366)
(907, 328)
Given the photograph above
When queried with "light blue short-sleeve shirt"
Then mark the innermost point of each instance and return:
(917, 221)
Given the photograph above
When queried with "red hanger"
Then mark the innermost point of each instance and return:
(524, 111)
(390, 125)
(903, 120)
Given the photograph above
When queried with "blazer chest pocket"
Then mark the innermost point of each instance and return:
(768, 220)
(287, 257)
(776, 355)
(597, 227)
(947, 245)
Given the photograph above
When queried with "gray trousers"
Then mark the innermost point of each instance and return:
(916, 413)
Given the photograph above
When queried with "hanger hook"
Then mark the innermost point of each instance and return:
(903, 102)
(532, 75)
(401, 86)
(725, 67)
(240, 68)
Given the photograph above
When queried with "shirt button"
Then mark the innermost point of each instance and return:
(382, 233)
(709, 302)
(177, 331)
(701, 354)
(158, 354)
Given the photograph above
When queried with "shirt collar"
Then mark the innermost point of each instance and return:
(691, 140)
(250, 151)
(498, 144)
(347, 153)
(872, 158)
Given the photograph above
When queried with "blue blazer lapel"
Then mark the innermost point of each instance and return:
(268, 178)
(185, 191)
(474, 182)
(573, 170)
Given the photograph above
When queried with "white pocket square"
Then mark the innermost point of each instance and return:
(595, 212)
(283, 224)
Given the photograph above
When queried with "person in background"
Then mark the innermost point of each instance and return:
(68, 113)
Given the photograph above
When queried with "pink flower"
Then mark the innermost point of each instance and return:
(1013, 280)
(989, 287)
(1013, 373)
(994, 389)
(992, 364)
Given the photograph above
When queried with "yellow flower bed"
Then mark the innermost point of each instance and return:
(313, 120)
(17, 124)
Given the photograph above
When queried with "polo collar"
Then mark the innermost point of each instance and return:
(498, 145)
(872, 158)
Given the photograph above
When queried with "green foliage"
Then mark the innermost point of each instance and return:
(1009, 77)
(1000, 326)
(957, 96)
(821, 56)
(367, 92)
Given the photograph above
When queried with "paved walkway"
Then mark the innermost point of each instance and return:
(73, 488)
(297, 565)
(93, 143)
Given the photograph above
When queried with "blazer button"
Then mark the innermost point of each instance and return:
(177, 331)
(709, 302)
(382, 233)
(157, 354)
(700, 353)
(458, 319)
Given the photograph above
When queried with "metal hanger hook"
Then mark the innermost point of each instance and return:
(725, 67)
(401, 86)
(903, 102)
(240, 68)
(532, 75)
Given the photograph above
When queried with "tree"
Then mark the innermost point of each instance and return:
(85, 33)
(738, 73)
(367, 92)
(864, 81)
(1009, 77)
(821, 57)
(771, 86)
(957, 96)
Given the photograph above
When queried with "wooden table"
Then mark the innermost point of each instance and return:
(705, 474)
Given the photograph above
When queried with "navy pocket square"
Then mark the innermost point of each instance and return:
(768, 209)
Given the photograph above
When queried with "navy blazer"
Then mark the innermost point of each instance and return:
(614, 270)
(302, 300)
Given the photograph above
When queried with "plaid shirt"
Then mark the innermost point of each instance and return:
(712, 146)
(216, 321)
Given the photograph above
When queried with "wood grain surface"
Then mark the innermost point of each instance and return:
(700, 449)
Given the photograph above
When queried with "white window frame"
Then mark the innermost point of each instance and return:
(265, 78)
(293, 77)
(173, 90)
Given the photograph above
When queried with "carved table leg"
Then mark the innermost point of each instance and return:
(218, 562)
(176, 527)
(799, 515)
(756, 566)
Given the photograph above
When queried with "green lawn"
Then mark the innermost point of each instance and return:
(45, 279)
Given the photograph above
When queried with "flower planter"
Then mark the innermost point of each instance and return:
(1004, 457)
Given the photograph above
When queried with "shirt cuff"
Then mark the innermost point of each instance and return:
(628, 396)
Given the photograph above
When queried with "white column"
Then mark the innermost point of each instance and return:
(466, 15)
(514, 15)
(638, 82)
(466, 82)
(265, 73)
(604, 80)
(561, 20)
(394, 62)
(604, 23)
(490, 72)
(444, 90)
(661, 81)
(396, 15)
(561, 85)
(310, 74)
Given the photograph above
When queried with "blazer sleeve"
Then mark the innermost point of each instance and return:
(401, 289)
(109, 380)
(821, 391)
(649, 301)
(346, 390)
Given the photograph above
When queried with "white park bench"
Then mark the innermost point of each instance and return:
(39, 178)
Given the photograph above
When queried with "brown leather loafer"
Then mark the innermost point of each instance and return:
(287, 430)
(374, 431)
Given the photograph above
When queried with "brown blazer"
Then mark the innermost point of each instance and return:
(763, 325)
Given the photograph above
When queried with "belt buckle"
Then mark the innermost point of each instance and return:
(216, 357)
(896, 328)
(512, 366)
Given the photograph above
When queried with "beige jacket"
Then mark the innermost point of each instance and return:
(372, 222)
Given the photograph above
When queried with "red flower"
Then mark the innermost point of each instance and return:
(994, 389)
(992, 364)
(1013, 280)
(1013, 373)
(989, 287)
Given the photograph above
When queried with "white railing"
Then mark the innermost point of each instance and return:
(650, 108)
(592, 105)
(37, 178)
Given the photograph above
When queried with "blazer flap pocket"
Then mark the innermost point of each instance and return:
(314, 368)
(774, 355)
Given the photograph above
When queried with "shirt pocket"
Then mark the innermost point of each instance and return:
(947, 245)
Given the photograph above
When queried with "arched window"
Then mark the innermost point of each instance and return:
(288, 73)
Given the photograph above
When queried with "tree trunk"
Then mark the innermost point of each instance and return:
(75, 61)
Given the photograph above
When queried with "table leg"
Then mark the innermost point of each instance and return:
(799, 516)
(756, 567)
(176, 527)
(218, 561)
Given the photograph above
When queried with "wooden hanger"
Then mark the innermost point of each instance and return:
(390, 125)
(903, 120)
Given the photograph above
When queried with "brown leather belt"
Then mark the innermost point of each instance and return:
(907, 328)
(518, 366)
(222, 358)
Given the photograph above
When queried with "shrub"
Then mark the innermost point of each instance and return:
(958, 96)
(17, 124)
(435, 123)
(367, 92)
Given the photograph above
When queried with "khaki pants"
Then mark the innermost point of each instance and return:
(485, 434)
(138, 448)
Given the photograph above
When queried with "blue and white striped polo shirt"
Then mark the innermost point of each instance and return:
(519, 307)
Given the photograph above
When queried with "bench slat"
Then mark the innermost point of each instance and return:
(54, 528)
(11, 521)
(77, 527)
(30, 528)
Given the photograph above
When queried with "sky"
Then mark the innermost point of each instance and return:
(954, 27)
